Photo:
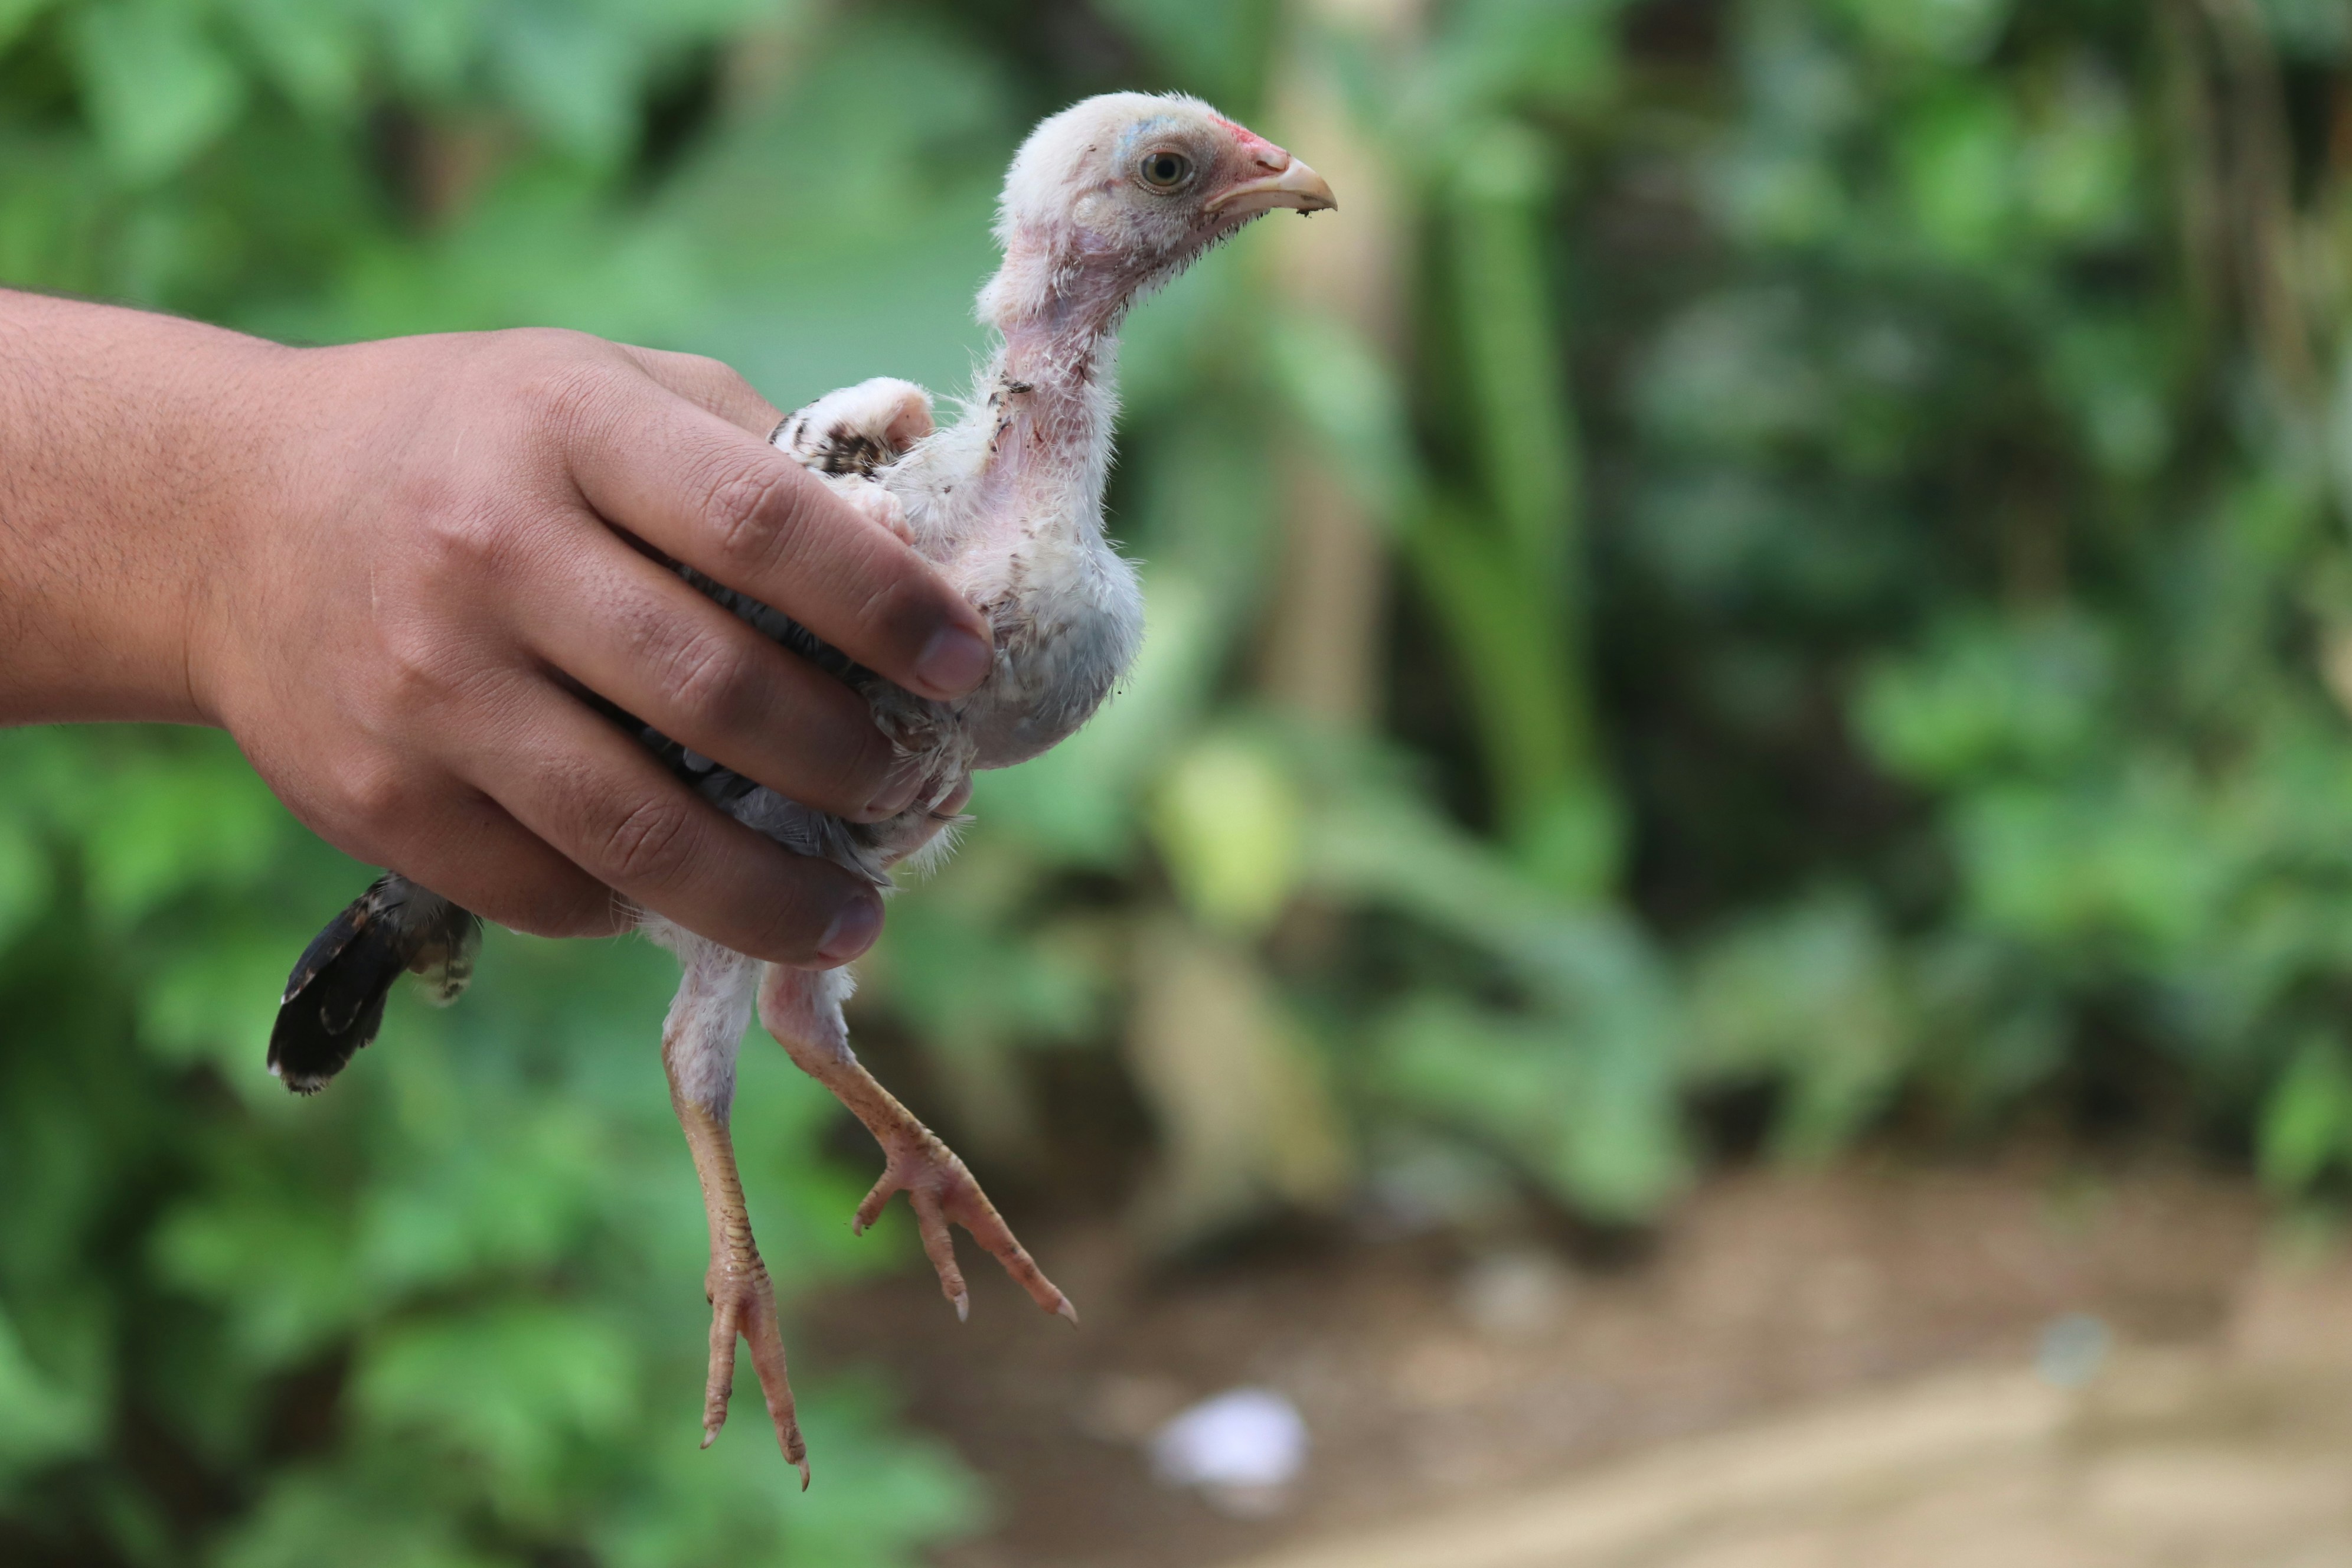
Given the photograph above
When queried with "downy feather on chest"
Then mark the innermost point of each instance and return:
(1008, 502)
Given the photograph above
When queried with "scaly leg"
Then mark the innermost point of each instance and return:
(803, 1010)
(699, 1046)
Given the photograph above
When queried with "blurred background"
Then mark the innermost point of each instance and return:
(1739, 800)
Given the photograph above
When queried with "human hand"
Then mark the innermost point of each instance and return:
(434, 559)
(392, 570)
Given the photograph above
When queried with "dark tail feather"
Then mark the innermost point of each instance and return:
(334, 999)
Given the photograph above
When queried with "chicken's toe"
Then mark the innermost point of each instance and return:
(745, 1305)
(941, 1191)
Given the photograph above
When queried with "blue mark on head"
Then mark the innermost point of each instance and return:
(1143, 130)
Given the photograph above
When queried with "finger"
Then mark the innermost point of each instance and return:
(725, 502)
(640, 637)
(709, 384)
(480, 857)
(443, 834)
(599, 798)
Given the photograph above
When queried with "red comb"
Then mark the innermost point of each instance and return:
(1252, 142)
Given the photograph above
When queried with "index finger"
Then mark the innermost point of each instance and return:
(714, 496)
(708, 384)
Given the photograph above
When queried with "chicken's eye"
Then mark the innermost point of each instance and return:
(1165, 171)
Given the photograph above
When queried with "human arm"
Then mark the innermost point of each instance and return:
(390, 569)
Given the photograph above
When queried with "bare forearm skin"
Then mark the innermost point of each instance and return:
(130, 466)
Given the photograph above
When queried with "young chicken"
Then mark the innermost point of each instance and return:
(1105, 201)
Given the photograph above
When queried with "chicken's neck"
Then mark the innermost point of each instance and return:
(1030, 550)
(1051, 390)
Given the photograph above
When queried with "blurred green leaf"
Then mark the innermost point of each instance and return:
(158, 86)
(1992, 695)
(310, 49)
(1812, 996)
(2306, 1123)
(1596, 1126)
(506, 1388)
(1227, 823)
(40, 1422)
(1077, 802)
(17, 14)
(2314, 30)
(1350, 399)
(571, 71)
(24, 877)
(1213, 48)
(340, 1518)
(1952, 32)
(1959, 161)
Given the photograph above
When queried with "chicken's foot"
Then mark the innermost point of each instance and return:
(699, 1045)
(803, 1010)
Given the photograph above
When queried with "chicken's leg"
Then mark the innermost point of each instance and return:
(803, 1010)
(698, 1048)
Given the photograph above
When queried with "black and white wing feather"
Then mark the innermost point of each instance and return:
(334, 1000)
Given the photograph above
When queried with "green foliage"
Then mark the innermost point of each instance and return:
(1974, 447)
(451, 1312)
(1867, 480)
(474, 1266)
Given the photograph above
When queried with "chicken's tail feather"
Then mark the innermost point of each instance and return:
(334, 999)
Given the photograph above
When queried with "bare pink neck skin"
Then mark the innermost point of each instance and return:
(1058, 305)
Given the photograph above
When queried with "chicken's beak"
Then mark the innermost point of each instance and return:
(1294, 185)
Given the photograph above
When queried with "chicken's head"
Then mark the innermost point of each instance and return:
(1120, 192)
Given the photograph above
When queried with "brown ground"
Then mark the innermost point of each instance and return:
(1447, 1388)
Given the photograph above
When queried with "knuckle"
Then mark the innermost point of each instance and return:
(550, 343)
(755, 513)
(714, 373)
(421, 668)
(427, 685)
(466, 542)
(885, 604)
(652, 842)
(378, 795)
(898, 608)
(566, 388)
(711, 681)
(416, 665)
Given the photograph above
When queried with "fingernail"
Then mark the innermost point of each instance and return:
(852, 929)
(954, 661)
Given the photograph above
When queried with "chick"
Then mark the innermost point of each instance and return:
(1106, 201)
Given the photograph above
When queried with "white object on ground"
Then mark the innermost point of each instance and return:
(1242, 1448)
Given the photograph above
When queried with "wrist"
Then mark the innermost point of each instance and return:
(247, 406)
(122, 509)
